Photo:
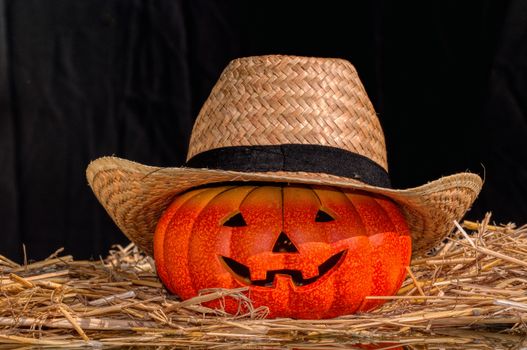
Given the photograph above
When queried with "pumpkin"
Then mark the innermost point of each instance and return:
(302, 251)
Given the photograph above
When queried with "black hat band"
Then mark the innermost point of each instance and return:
(293, 158)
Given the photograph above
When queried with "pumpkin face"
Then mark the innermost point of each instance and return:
(303, 251)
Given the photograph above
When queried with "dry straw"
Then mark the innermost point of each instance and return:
(470, 293)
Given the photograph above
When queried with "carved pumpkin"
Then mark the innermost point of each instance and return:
(304, 251)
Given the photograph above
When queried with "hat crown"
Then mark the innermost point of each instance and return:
(274, 100)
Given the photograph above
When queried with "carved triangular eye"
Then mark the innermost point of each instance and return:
(235, 221)
(322, 216)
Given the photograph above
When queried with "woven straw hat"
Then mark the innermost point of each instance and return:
(281, 119)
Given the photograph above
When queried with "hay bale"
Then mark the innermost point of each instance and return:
(469, 288)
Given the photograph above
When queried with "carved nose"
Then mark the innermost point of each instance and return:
(284, 245)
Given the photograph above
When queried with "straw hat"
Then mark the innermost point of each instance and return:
(281, 119)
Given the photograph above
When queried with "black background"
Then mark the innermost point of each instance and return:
(84, 79)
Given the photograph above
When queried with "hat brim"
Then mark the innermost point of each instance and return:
(135, 196)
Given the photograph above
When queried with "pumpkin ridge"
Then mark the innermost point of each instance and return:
(248, 194)
(390, 215)
(322, 206)
(168, 249)
(328, 211)
(239, 205)
(364, 301)
(226, 189)
(394, 228)
(248, 188)
(191, 229)
(312, 188)
(346, 195)
(282, 204)
(334, 288)
(378, 249)
(231, 215)
(378, 206)
(159, 241)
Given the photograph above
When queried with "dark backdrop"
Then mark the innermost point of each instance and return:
(83, 79)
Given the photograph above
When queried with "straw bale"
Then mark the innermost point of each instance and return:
(469, 292)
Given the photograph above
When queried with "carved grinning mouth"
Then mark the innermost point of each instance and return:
(243, 273)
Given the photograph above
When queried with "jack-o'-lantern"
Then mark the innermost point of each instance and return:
(305, 252)
(224, 220)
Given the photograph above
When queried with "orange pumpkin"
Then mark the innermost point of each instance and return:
(303, 251)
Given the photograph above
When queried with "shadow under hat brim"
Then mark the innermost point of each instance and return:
(136, 195)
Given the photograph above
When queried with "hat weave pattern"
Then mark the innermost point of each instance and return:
(270, 100)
